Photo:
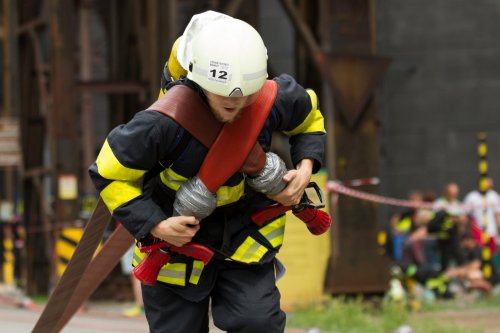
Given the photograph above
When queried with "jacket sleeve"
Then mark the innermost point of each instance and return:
(296, 113)
(126, 159)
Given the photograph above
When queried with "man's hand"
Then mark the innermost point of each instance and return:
(176, 230)
(297, 180)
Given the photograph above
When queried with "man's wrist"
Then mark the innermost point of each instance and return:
(305, 165)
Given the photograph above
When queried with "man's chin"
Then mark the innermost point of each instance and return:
(227, 118)
(223, 119)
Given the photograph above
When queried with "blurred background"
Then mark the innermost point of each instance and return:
(409, 91)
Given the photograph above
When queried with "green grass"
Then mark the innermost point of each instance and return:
(39, 299)
(480, 302)
(489, 302)
(354, 315)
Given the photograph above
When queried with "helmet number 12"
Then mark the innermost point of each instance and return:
(222, 74)
(218, 72)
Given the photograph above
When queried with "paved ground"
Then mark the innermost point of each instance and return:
(98, 317)
(18, 320)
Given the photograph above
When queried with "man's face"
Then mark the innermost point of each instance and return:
(452, 191)
(227, 109)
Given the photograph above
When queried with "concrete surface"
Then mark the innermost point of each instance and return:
(19, 315)
(98, 317)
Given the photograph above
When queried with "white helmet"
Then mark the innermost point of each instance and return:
(224, 55)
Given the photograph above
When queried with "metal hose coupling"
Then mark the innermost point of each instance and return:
(194, 199)
(270, 179)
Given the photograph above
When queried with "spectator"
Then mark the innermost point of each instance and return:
(401, 225)
(447, 224)
(484, 206)
(446, 227)
(416, 267)
(419, 231)
(449, 200)
(469, 270)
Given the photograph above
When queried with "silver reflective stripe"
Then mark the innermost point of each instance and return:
(275, 233)
(200, 71)
(196, 272)
(251, 251)
(172, 274)
(255, 75)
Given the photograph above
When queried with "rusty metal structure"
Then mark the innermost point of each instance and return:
(74, 69)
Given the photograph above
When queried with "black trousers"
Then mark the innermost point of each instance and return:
(244, 300)
(449, 251)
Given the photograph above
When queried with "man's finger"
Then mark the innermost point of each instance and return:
(289, 176)
(189, 221)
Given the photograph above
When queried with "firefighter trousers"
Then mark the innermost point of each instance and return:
(243, 300)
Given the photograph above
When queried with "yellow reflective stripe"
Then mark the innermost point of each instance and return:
(274, 231)
(230, 194)
(436, 283)
(198, 266)
(314, 121)
(404, 224)
(172, 179)
(117, 193)
(448, 224)
(249, 251)
(138, 256)
(174, 273)
(110, 168)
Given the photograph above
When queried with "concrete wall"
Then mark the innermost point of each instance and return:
(278, 35)
(441, 90)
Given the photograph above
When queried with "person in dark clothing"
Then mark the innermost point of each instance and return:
(469, 264)
(447, 229)
(150, 175)
(415, 266)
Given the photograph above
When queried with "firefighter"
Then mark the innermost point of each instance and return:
(148, 166)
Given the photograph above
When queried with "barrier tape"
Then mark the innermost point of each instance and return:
(360, 182)
(339, 187)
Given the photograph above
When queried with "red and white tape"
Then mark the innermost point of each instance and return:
(337, 187)
(360, 182)
(340, 188)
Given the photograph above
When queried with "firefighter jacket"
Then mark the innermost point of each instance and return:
(144, 162)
